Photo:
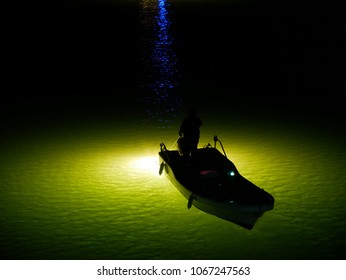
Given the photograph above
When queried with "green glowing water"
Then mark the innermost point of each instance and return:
(90, 189)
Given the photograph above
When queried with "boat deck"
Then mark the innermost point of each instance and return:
(210, 174)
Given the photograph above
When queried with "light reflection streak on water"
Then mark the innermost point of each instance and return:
(163, 54)
(162, 74)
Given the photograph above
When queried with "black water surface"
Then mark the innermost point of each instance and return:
(71, 52)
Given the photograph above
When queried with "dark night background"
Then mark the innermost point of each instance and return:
(72, 54)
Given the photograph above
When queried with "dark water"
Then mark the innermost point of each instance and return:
(92, 87)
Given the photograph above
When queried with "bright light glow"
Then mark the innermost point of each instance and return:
(147, 164)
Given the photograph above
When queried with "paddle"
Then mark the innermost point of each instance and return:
(189, 203)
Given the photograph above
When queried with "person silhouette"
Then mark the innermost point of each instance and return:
(189, 133)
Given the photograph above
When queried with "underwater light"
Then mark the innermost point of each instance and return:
(146, 164)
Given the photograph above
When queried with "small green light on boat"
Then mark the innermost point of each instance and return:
(231, 173)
